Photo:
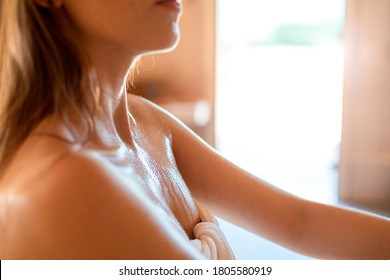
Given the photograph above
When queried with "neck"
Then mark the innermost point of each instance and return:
(114, 122)
(110, 65)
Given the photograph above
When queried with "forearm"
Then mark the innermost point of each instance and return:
(337, 233)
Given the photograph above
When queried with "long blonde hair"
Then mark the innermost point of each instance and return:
(41, 73)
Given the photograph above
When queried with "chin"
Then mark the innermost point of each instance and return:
(166, 45)
(168, 48)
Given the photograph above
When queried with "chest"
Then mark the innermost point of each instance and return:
(152, 162)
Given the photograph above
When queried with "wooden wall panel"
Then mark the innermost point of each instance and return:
(364, 176)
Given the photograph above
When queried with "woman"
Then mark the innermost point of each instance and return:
(91, 172)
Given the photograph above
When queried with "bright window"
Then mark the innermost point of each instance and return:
(279, 92)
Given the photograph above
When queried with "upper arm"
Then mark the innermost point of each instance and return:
(83, 210)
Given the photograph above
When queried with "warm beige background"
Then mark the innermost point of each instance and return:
(180, 79)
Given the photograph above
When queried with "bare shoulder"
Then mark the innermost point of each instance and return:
(138, 103)
(159, 119)
(151, 113)
(85, 209)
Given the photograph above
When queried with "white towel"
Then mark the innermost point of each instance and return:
(209, 239)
